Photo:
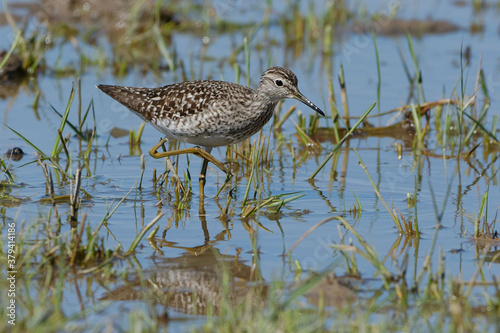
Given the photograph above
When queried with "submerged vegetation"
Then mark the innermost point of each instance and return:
(77, 258)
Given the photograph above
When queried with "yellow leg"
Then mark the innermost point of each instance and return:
(200, 152)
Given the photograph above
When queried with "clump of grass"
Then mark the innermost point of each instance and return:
(313, 29)
(273, 203)
(41, 252)
(306, 132)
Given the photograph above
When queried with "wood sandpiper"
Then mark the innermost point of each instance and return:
(209, 113)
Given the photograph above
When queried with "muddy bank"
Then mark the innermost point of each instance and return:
(394, 27)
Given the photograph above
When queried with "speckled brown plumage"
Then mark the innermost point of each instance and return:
(210, 113)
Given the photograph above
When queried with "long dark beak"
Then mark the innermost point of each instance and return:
(298, 96)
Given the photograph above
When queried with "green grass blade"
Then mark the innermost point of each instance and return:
(478, 124)
(64, 120)
(337, 147)
(482, 211)
(405, 65)
(379, 195)
(418, 75)
(11, 50)
(141, 234)
(91, 105)
(73, 127)
(301, 289)
(28, 142)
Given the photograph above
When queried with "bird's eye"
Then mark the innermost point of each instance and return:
(279, 83)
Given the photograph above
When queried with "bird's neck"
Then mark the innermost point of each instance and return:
(260, 109)
(262, 104)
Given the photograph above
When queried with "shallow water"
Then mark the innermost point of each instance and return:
(188, 234)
